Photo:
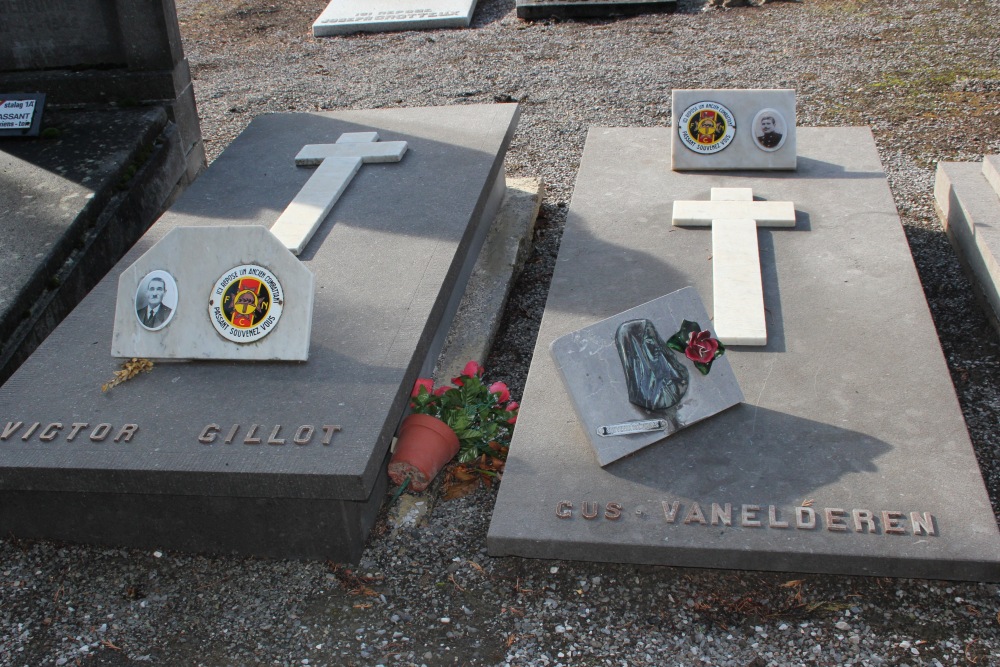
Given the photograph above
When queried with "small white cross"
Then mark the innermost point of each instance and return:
(737, 291)
(337, 165)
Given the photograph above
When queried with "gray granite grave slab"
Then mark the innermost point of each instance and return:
(346, 16)
(969, 208)
(540, 9)
(849, 455)
(304, 471)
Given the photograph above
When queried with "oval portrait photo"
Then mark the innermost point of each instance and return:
(769, 130)
(155, 300)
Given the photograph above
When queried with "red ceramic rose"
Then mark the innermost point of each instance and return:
(701, 347)
(697, 345)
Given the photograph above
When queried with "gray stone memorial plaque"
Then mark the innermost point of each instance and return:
(846, 457)
(621, 374)
(540, 9)
(268, 458)
(718, 129)
(346, 16)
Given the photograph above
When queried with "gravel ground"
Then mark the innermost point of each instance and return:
(925, 75)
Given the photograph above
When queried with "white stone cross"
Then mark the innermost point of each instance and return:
(337, 165)
(737, 291)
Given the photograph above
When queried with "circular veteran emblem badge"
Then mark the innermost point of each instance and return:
(246, 303)
(706, 127)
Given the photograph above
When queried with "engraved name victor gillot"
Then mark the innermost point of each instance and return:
(251, 434)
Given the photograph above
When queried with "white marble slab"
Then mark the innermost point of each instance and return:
(737, 291)
(346, 16)
(991, 170)
(196, 258)
(337, 165)
(748, 147)
(736, 286)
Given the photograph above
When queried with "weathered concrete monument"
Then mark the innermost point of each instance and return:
(849, 453)
(118, 140)
(274, 458)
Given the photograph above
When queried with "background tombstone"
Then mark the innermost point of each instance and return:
(119, 140)
(967, 199)
(347, 16)
(839, 461)
(267, 458)
(540, 9)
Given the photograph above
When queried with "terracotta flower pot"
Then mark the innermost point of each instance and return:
(424, 446)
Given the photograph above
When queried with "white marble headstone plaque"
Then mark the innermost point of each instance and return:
(346, 16)
(215, 293)
(733, 129)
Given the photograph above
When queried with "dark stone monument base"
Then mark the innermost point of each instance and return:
(72, 205)
(589, 9)
(849, 455)
(311, 528)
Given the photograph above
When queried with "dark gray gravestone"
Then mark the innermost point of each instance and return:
(70, 206)
(849, 455)
(540, 9)
(270, 458)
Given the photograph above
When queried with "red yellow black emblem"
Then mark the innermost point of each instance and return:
(246, 303)
(706, 127)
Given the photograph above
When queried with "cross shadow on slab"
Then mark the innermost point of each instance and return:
(750, 454)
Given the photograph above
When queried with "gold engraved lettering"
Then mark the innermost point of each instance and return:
(273, 439)
(589, 512)
(613, 511)
(303, 435)
(723, 514)
(252, 438)
(208, 433)
(891, 523)
(77, 427)
(805, 518)
(100, 432)
(772, 518)
(670, 511)
(232, 434)
(329, 430)
(10, 429)
(50, 432)
(126, 432)
(695, 515)
(922, 523)
(564, 509)
(835, 519)
(864, 519)
(31, 429)
(748, 516)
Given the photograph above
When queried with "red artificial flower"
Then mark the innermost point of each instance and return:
(701, 347)
(440, 391)
(457, 382)
(427, 383)
(473, 369)
(501, 389)
(512, 407)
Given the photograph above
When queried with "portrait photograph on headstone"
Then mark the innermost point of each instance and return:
(156, 300)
